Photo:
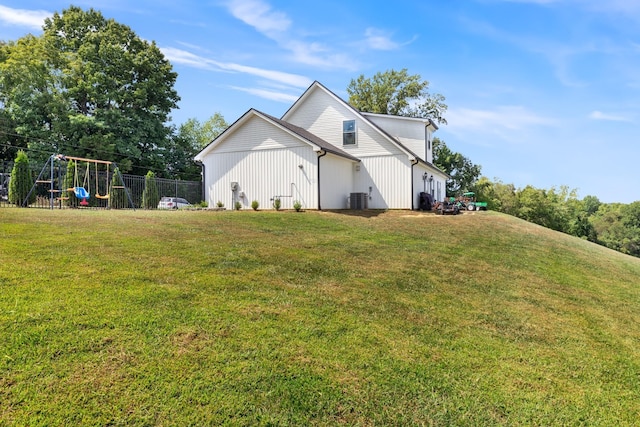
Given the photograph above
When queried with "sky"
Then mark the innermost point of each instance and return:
(539, 92)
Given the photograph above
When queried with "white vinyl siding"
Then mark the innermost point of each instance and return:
(412, 133)
(322, 115)
(336, 181)
(265, 161)
(262, 175)
(258, 134)
(390, 180)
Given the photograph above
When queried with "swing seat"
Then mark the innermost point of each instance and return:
(81, 193)
(98, 196)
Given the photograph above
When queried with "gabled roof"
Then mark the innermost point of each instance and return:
(316, 141)
(362, 116)
(388, 135)
(297, 131)
(426, 121)
(324, 145)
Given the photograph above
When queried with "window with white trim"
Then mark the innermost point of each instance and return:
(349, 132)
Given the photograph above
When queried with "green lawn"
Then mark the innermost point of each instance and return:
(313, 318)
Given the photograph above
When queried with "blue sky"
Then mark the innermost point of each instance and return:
(540, 92)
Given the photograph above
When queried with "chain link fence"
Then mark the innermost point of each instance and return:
(50, 191)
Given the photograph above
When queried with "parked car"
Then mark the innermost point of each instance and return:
(173, 203)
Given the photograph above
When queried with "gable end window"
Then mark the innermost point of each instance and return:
(349, 132)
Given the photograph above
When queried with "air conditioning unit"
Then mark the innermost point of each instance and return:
(358, 201)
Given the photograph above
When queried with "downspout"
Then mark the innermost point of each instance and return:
(202, 189)
(413, 163)
(324, 153)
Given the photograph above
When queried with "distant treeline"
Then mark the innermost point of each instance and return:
(614, 225)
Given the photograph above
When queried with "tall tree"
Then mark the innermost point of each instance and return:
(28, 94)
(191, 137)
(21, 181)
(91, 87)
(397, 93)
(150, 197)
(618, 227)
(463, 172)
(10, 143)
(201, 134)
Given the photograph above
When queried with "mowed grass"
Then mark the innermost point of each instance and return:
(314, 318)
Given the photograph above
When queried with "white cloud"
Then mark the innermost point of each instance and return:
(24, 18)
(268, 94)
(187, 58)
(379, 39)
(599, 115)
(509, 123)
(277, 26)
(278, 76)
(183, 57)
(318, 55)
(259, 15)
(532, 1)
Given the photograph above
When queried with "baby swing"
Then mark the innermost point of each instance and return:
(81, 192)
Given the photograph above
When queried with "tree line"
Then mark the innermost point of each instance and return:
(614, 225)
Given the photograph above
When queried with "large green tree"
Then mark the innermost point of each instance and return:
(618, 227)
(398, 93)
(28, 95)
(499, 196)
(91, 87)
(10, 143)
(464, 173)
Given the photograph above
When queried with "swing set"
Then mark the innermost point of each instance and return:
(81, 192)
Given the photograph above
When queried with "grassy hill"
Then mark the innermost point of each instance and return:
(284, 318)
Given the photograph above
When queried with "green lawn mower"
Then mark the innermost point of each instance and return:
(468, 201)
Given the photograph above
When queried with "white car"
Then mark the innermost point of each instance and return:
(173, 203)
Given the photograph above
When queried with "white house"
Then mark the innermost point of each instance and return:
(324, 154)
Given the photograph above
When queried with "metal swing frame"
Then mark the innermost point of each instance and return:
(49, 165)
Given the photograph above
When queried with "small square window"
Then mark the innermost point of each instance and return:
(349, 132)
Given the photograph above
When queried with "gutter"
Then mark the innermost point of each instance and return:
(202, 189)
(413, 163)
(324, 153)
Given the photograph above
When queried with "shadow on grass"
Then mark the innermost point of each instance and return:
(364, 213)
